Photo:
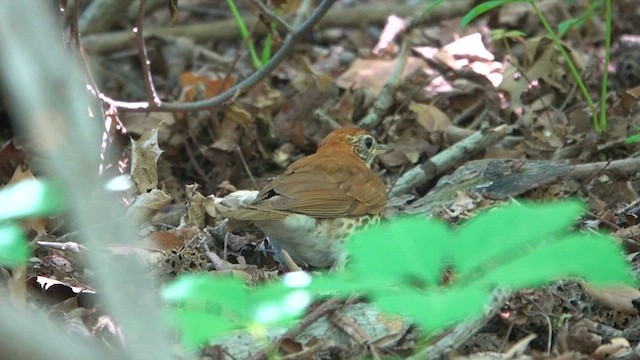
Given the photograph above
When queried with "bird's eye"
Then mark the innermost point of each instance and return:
(368, 142)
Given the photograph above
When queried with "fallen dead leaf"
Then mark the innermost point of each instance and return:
(374, 74)
(620, 298)
(145, 153)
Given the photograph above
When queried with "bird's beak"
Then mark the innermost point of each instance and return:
(382, 149)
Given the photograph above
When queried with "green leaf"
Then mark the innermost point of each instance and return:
(499, 34)
(407, 247)
(227, 304)
(13, 245)
(225, 292)
(277, 303)
(632, 139)
(596, 259)
(432, 4)
(197, 327)
(436, 309)
(564, 26)
(30, 198)
(500, 232)
(483, 8)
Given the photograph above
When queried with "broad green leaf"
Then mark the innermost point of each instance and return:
(30, 198)
(587, 14)
(564, 26)
(434, 310)
(483, 8)
(197, 327)
(632, 139)
(430, 6)
(341, 284)
(500, 34)
(228, 293)
(500, 232)
(403, 248)
(13, 245)
(228, 304)
(596, 259)
(277, 303)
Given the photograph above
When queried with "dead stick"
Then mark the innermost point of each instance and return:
(443, 161)
(227, 29)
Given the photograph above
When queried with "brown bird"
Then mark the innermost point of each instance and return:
(321, 199)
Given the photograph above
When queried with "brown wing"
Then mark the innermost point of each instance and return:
(325, 186)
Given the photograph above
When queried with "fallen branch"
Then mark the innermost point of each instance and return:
(463, 332)
(278, 57)
(443, 161)
(227, 29)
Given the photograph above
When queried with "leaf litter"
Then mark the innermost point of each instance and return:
(455, 83)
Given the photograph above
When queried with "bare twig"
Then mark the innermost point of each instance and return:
(278, 57)
(71, 246)
(246, 167)
(40, 91)
(462, 332)
(388, 94)
(101, 15)
(194, 161)
(441, 162)
(227, 30)
(271, 15)
(152, 95)
(326, 308)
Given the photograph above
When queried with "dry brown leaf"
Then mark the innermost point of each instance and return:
(430, 117)
(630, 99)
(144, 159)
(608, 351)
(620, 298)
(386, 46)
(10, 158)
(146, 205)
(162, 241)
(469, 46)
(195, 207)
(374, 74)
(198, 86)
(228, 136)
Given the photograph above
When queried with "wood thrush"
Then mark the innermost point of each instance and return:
(321, 199)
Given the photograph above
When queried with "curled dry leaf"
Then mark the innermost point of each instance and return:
(144, 158)
(234, 201)
(11, 157)
(374, 74)
(195, 207)
(620, 298)
(203, 85)
(612, 350)
(146, 205)
(162, 241)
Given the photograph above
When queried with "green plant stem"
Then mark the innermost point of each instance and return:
(571, 65)
(268, 43)
(605, 73)
(244, 32)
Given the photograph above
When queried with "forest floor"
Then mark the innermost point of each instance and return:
(422, 87)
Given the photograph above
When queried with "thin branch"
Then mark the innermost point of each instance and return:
(387, 96)
(325, 308)
(278, 57)
(152, 95)
(246, 167)
(226, 30)
(443, 161)
(271, 15)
